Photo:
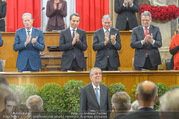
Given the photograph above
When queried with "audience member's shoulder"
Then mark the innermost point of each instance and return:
(115, 29)
(36, 29)
(104, 86)
(136, 28)
(81, 30)
(154, 27)
(98, 30)
(86, 87)
(21, 29)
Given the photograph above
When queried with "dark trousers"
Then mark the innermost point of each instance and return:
(74, 66)
(28, 68)
(147, 65)
(127, 26)
(109, 68)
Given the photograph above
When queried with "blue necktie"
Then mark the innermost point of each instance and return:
(97, 95)
(107, 31)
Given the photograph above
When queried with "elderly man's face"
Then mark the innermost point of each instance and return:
(107, 23)
(10, 106)
(97, 76)
(146, 20)
(27, 21)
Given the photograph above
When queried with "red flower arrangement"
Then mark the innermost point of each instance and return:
(162, 13)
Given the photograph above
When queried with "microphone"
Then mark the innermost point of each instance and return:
(39, 12)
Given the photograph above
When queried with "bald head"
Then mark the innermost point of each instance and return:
(147, 91)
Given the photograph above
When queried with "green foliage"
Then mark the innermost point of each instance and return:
(24, 91)
(132, 93)
(52, 95)
(14, 88)
(173, 87)
(116, 87)
(71, 97)
(162, 88)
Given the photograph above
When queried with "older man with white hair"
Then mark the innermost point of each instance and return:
(35, 104)
(169, 105)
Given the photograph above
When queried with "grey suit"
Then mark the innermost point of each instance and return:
(69, 50)
(88, 100)
(105, 51)
(140, 50)
(126, 13)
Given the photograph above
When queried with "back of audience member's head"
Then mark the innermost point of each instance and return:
(3, 80)
(147, 92)
(134, 106)
(169, 104)
(121, 102)
(11, 103)
(4, 91)
(34, 103)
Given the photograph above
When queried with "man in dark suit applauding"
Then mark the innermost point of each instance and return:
(29, 41)
(106, 41)
(73, 43)
(146, 39)
(95, 96)
(126, 14)
(146, 96)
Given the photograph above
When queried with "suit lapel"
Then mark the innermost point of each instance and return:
(142, 31)
(101, 33)
(150, 29)
(93, 94)
(101, 94)
(69, 34)
(24, 32)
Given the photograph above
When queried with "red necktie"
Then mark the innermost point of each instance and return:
(146, 33)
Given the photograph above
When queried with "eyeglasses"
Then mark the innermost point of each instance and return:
(146, 20)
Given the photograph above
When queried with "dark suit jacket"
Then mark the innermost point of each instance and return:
(88, 100)
(126, 13)
(143, 113)
(70, 50)
(2, 15)
(1, 40)
(29, 52)
(56, 16)
(140, 50)
(106, 50)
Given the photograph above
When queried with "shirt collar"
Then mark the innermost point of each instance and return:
(147, 27)
(71, 29)
(94, 87)
(28, 30)
(145, 107)
(106, 30)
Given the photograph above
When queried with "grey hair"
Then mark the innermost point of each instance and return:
(134, 106)
(91, 71)
(169, 104)
(38, 103)
(121, 101)
(106, 17)
(26, 14)
(146, 13)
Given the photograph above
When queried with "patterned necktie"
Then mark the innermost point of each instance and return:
(97, 95)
